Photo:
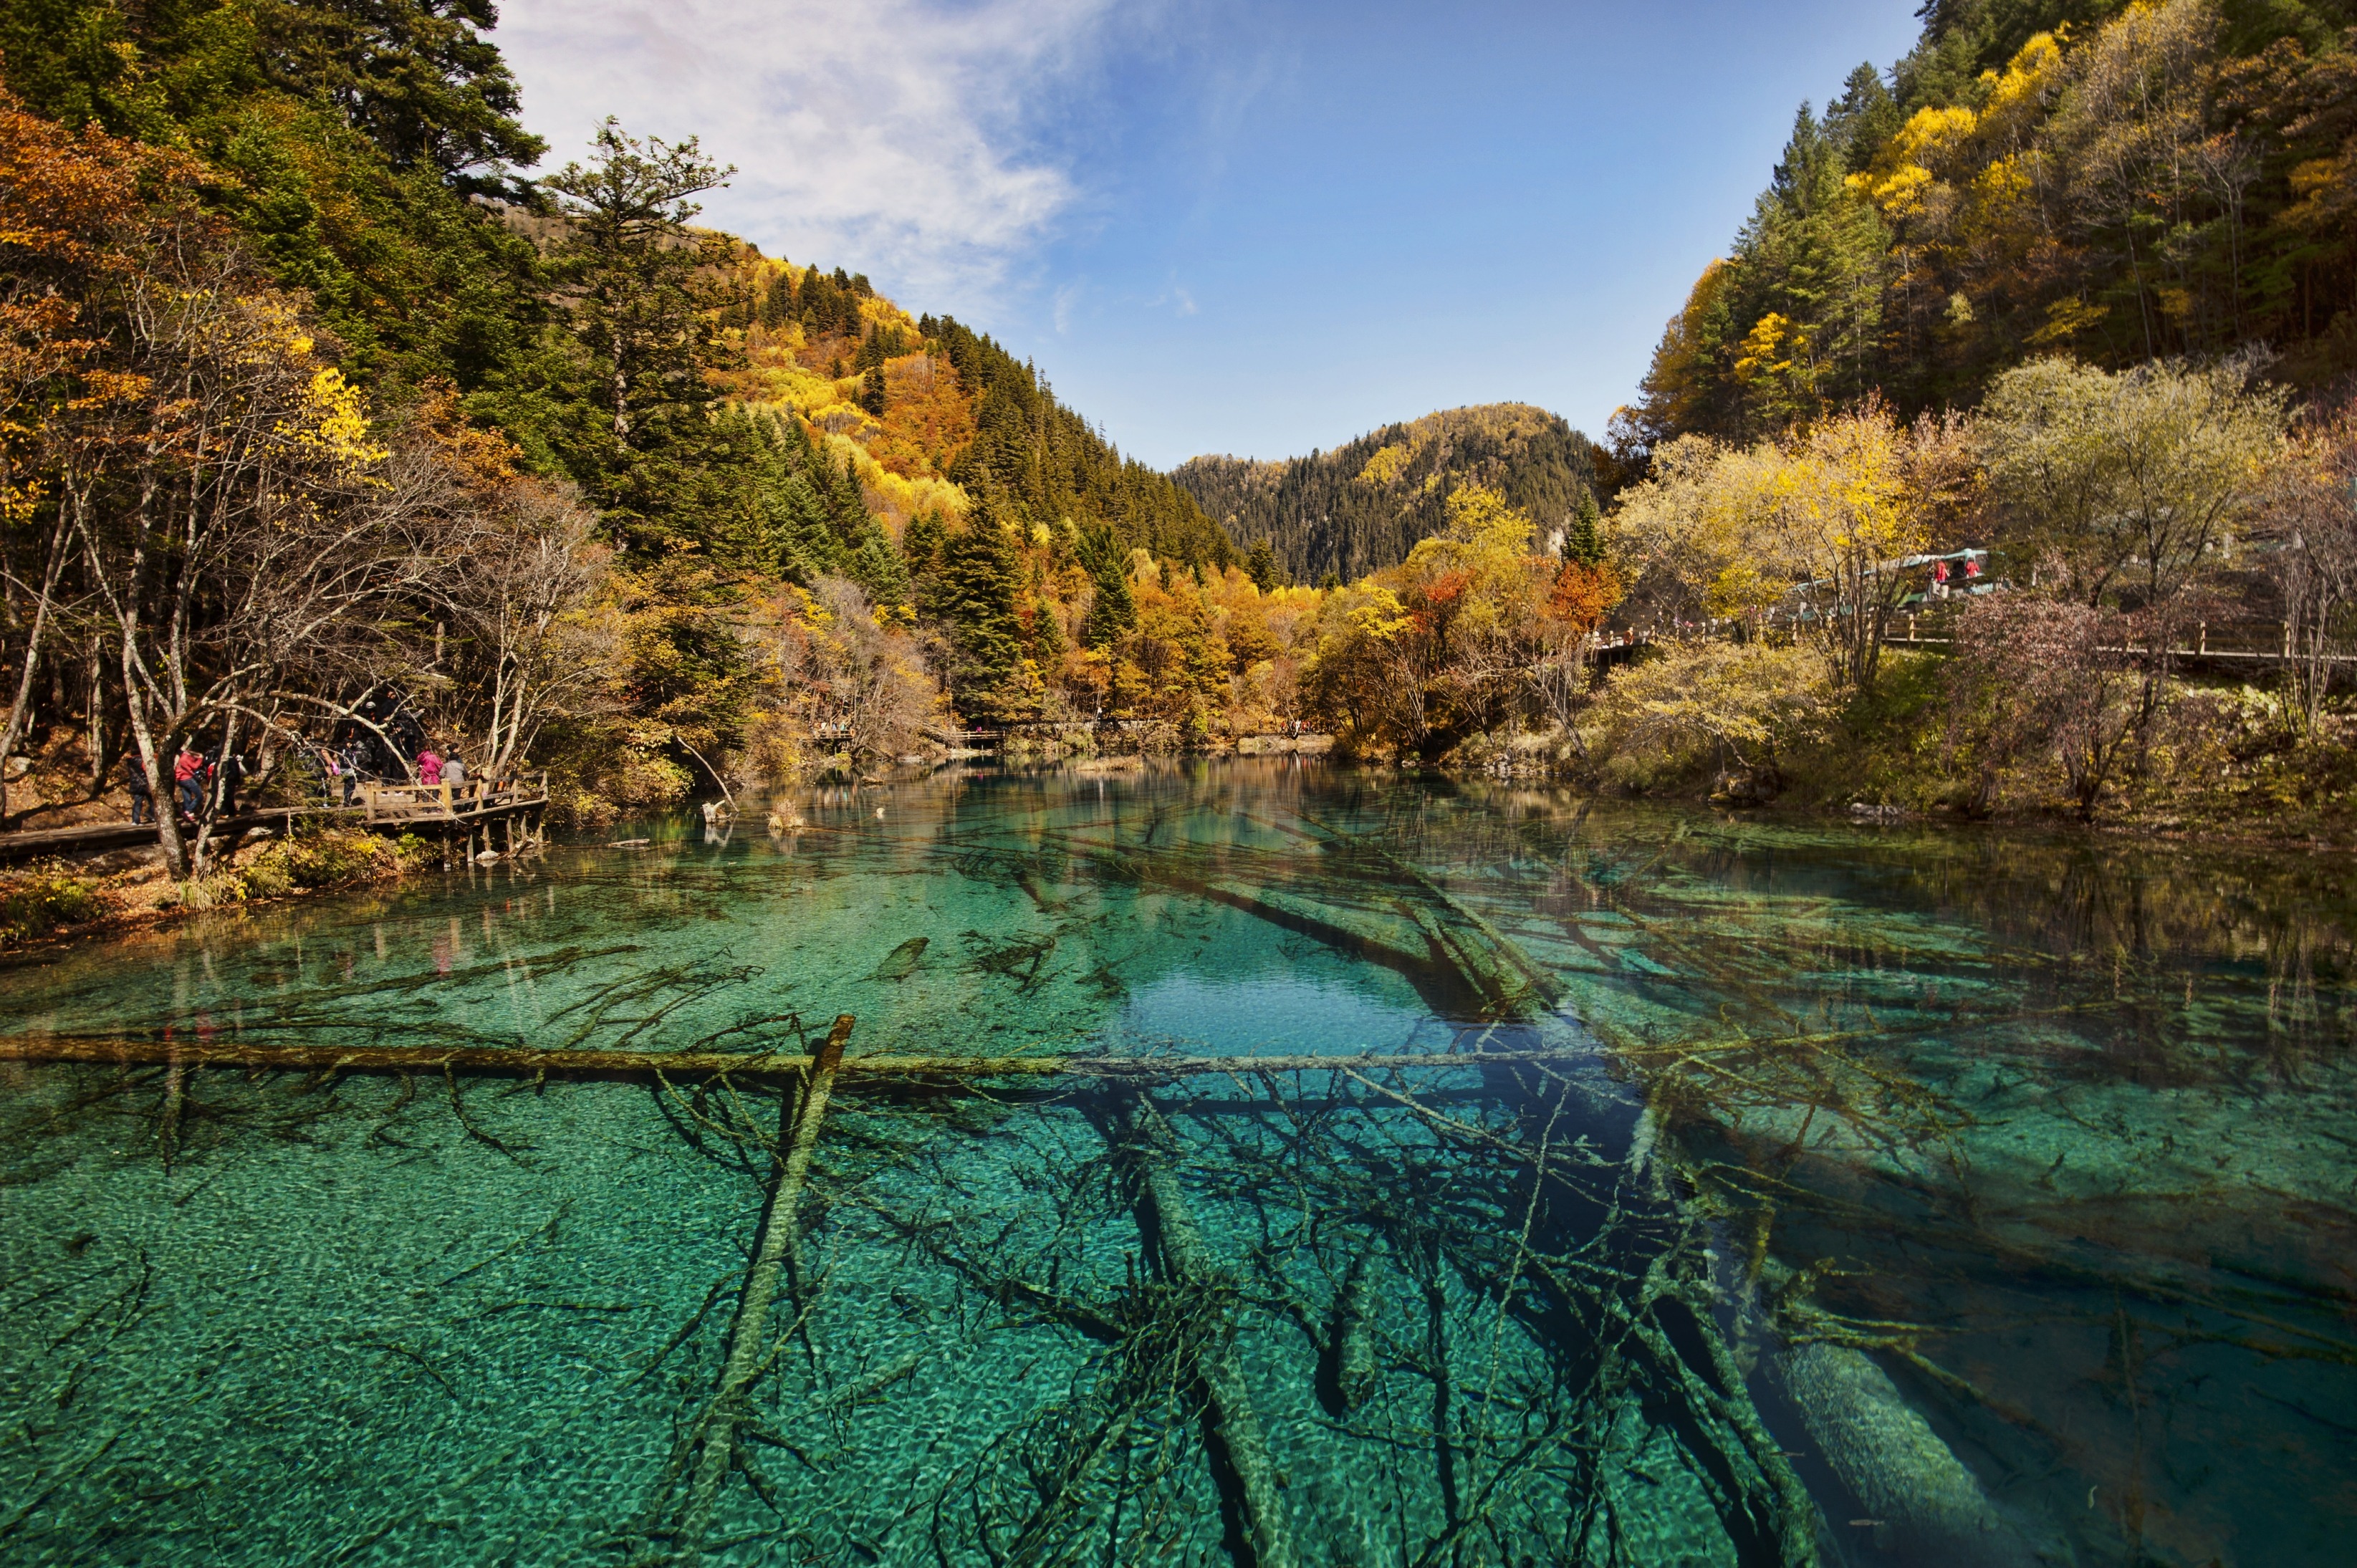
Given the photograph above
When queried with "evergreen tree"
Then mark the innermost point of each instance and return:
(872, 392)
(1584, 545)
(630, 271)
(1863, 119)
(1047, 634)
(1107, 564)
(777, 301)
(815, 301)
(979, 583)
(922, 543)
(416, 77)
(1262, 568)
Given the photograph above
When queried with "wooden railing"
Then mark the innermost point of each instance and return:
(452, 802)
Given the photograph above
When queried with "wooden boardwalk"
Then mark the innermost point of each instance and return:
(480, 812)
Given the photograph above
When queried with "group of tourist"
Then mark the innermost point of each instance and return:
(194, 774)
(334, 770)
(350, 765)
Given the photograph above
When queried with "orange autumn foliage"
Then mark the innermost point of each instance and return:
(1582, 595)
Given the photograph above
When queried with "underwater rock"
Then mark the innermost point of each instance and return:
(901, 962)
(1930, 1508)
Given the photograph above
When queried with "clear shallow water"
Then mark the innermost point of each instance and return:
(1906, 1198)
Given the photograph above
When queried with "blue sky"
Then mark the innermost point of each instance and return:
(1257, 228)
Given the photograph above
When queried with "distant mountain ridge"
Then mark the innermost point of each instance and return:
(1362, 505)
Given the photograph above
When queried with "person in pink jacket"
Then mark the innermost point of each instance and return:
(429, 767)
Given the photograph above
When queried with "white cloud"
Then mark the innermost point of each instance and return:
(893, 137)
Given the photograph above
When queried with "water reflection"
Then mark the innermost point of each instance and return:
(1879, 1195)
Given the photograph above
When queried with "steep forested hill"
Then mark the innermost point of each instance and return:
(365, 153)
(2112, 181)
(756, 506)
(1361, 507)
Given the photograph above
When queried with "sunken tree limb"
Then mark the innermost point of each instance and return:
(1188, 1261)
(752, 1064)
(777, 1251)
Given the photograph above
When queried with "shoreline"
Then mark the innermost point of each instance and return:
(134, 918)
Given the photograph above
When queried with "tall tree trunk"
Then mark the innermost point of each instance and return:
(20, 706)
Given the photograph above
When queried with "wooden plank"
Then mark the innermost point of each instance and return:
(89, 837)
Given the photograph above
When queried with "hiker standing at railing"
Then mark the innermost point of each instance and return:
(429, 766)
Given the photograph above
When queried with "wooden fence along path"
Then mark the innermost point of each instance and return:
(493, 816)
(2251, 644)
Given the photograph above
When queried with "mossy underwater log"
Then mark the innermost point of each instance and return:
(1235, 1423)
(778, 1252)
(752, 1064)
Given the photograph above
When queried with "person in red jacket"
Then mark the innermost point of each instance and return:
(189, 775)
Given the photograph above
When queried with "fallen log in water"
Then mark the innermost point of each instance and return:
(778, 1249)
(1186, 1260)
(493, 1058)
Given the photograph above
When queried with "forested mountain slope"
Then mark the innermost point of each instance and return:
(2113, 181)
(1362, 507)
(593, 483)
(365, 154)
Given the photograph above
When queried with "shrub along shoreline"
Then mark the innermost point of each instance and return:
(58, 900)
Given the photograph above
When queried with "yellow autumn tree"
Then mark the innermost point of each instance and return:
(1814, 533)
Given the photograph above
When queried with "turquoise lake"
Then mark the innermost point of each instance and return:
(1870, 1196)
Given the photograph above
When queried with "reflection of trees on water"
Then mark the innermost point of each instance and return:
(1924, 1166)
(2053, 1130)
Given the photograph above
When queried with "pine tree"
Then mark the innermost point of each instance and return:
(778, 302)
(633, 278)
(1262, 568)
(1047, 634)
(1584, 544)
(1863, 119)
(871, 390)
(1115, 610)
(980, 582)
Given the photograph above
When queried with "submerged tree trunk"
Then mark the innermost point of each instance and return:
(750, 1352)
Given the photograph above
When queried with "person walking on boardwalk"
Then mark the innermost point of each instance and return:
(429, 766)
(188, 781)
(225, 768)
(143, 796)
(454, 769)
(318, 768)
